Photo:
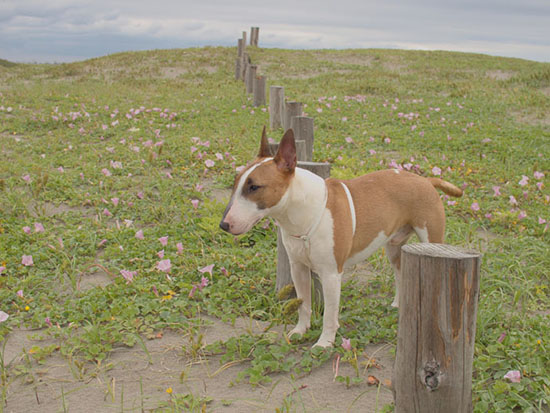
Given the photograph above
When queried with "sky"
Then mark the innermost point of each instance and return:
(50, 31)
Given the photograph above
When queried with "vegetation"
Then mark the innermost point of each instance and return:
(111, 166)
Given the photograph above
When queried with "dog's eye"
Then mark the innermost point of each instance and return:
(253, 188)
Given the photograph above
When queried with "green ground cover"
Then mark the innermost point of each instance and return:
(113, 164)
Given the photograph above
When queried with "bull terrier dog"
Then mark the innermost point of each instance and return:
(329, 224)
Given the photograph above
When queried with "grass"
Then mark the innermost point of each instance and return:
(97, 150)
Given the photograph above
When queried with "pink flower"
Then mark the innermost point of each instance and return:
(3, 316)
(224, 271)
(451, 203)
(179, 246)
(38, 227)
(475, 206)
(538, 175)
(101, 243)
(48, 322)
(27, 230)
(26, 260)
(140, 195)
(436, 171)
(164, 265)
(115, 201)
(192, 292)
(163, 241)
(2, 269)
(524, 180)
(513, 200)
(209, 163)
(160, 254)
(513, 375)
(346, 343)
(372, 151)
(204, 283)
(20, 293)
(128, 275)
(139, 234)
(107, 213)
(207, 269)
(349, 139)
(501, 338)
(106, 172)
(496, 190)
(195, 203)
(60, 169)
(521, 215)
(542, 221)
(27, 178)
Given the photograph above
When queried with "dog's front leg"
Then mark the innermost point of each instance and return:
(331, 293)
(301, 277)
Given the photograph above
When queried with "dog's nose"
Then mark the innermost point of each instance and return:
(224, 225)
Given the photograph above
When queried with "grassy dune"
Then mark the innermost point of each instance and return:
(103, 159)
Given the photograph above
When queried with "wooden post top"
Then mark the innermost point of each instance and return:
(440, 251)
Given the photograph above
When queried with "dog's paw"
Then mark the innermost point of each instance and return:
(395, 303)
(297, 331)
(322, 343)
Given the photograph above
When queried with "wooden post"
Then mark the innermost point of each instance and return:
(303, 129)
(240, 48)
(250, 76)
(291, 109)
(438, 295)
(254, 36)
(238, 70)
(259, 91)
(283, 265)
(244, 66)
(276, 106)
(244, 39)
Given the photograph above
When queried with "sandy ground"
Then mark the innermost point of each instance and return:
(132, 380)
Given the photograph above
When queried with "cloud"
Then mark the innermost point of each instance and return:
(65, 30)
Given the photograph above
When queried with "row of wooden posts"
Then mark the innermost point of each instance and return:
(439, 287)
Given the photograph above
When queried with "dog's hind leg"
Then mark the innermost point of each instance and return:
(301, 277)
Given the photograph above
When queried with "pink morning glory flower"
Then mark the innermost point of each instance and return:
(475, 206)
(164, 265)
(346, 343)
(26, 260)
(38, 227)
(160, 254)
(27, 230)
(139, 234)
(436, 171)
(163, 241)
(538, 175)
(106, 172)
(521, 215)
(27, 178)
(496, 191)
(179, 246)
(513, 375)
(3, 316)
(128, 275)
(107, 213)
(204, 283)
(513, 200)
(207, 269)
(20, 293)
(209, 163)
(195, 203)
(524, 180)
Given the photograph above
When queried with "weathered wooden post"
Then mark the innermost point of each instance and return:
(259, 91)
(254, 36)
(276, 106)
(244, 66)
(250, 76)
(240, 48)
(238, 71)
(438, 295)
(291, 109)
(303, 130)
(244, 39)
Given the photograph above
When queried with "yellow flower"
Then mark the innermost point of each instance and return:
(166, 297)
(27, 308)
(539, 341)
(169, 390)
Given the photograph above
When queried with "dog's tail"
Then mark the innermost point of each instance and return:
(446, 187)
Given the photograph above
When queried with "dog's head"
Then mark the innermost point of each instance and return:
(260, 186)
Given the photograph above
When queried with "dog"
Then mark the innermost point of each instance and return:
(327, 225)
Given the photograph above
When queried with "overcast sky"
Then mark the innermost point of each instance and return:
(69, 30)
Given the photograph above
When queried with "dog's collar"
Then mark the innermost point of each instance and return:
(317, 221)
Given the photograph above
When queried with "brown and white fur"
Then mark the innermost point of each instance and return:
(343, 221)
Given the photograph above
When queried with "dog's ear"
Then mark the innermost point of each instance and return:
(264, 146)
(286, 155)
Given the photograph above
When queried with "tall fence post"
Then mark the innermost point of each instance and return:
(276, 106)
(259, 91)
(250, 76)
(291, 109)
(438, 295)
(303, 130)
(254, 36)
